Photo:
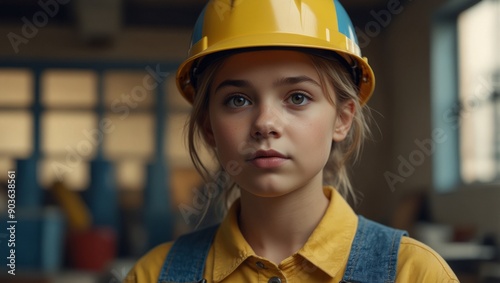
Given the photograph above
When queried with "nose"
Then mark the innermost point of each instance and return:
(268, 123)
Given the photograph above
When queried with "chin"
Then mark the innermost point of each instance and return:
(267, 189)
(266, 193)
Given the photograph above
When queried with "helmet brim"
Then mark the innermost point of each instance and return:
(339, 44)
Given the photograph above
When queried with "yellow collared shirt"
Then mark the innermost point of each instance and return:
(323, 258)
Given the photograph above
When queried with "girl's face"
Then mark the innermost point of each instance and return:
(270, 121)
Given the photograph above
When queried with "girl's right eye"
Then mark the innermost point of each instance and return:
(237, 101)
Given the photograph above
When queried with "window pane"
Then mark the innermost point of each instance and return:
(6, 164)
(75, 176)
(131, 174)
(127, 91)
(479, 42)
(16, 128)
(70, 134)
(75, 88)
(16, 87)
(131, 136)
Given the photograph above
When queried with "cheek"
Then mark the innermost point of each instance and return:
(319, 130)
(317, 144)
(321, 139)
(226, 132)
(229, 139)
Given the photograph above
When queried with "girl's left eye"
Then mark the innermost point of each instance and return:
(299, 99)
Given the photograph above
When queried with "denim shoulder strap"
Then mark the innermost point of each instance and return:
(374, 253)
(185, 262)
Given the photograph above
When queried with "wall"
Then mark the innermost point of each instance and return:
(399, 54)
(59, 42)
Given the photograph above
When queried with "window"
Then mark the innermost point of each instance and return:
(71, 112)
(465, 67)
(16, 87)
(479, 91)
(69, 88)
(69, 97)
(16, 121)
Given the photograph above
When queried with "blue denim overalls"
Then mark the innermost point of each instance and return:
(373, 257)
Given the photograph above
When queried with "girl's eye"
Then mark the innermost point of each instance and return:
(299, 99)
(237, 101)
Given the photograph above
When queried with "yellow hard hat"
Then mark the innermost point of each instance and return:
(226, 25)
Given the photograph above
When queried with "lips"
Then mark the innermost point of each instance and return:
(267, 159)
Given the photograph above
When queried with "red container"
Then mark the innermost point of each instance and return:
(92, 250)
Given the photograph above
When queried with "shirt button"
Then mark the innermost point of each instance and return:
(274, 280)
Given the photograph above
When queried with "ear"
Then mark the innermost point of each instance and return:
(344, 120)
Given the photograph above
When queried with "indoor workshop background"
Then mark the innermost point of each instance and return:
(92, 125)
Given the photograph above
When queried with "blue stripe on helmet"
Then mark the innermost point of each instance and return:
(344, 22)
(198, 27)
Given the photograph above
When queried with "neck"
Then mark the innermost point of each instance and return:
(277, 227)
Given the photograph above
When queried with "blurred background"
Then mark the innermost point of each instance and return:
(92, 125)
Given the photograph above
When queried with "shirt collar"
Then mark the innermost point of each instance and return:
(329, 245)
(327, 248)
(230, 247)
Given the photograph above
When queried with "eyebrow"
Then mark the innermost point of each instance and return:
(279, 82)
(295, 80)
(235, 83)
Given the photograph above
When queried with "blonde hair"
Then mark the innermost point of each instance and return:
(332, 73)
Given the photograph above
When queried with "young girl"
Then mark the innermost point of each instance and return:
(278, 89)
